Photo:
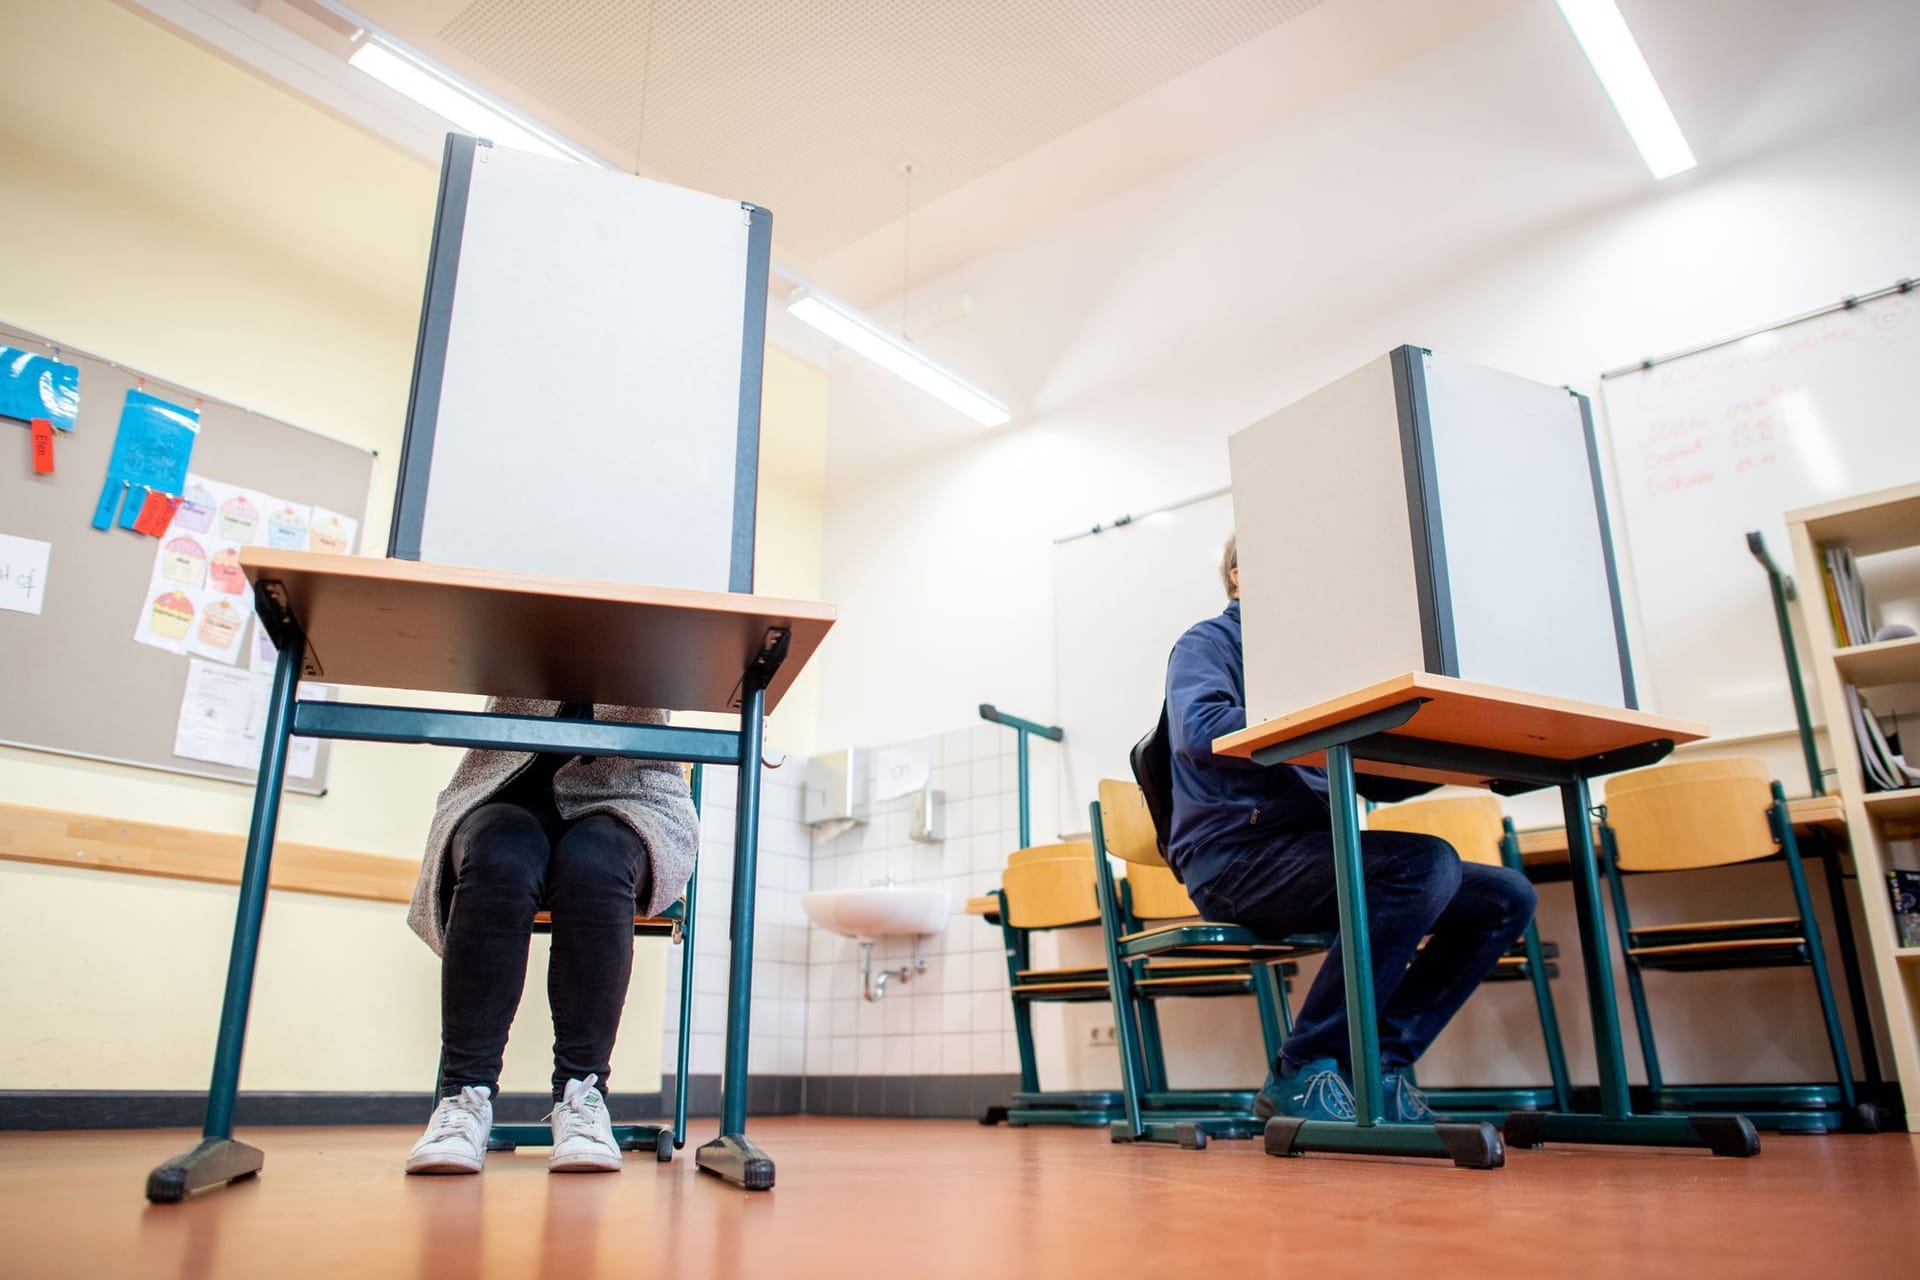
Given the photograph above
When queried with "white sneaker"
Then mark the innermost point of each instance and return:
(582, 1131)
(456, 1136)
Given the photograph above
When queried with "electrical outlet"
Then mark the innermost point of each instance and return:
(1102, 1036)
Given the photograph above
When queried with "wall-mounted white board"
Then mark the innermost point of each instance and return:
(1711, 445)
(1121, 599)
(586, 395)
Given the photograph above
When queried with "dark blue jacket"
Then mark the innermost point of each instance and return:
(1224, 797)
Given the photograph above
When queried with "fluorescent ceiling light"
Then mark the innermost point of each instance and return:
(896, 355)
(455, 103)
(1623, 73)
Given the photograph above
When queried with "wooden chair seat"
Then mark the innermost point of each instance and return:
(1790, 923)
(660, 926)
(1725, 953)
(1071, 990)
(1225, 941)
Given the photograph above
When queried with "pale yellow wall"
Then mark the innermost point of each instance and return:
(164, 208)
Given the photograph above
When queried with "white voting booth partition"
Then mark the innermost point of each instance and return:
(1425, 514)
(586, 390)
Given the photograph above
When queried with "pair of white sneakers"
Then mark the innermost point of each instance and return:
(456, 1136)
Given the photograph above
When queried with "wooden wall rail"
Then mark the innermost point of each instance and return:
(61, 839)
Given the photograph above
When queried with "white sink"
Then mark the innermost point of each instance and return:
(878, 912)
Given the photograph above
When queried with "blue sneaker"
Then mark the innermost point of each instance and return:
(1401, 1101)
(1317, 1091)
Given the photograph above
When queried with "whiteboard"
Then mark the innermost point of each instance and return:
(586, 396)
(1121, 599)
(1711, 445)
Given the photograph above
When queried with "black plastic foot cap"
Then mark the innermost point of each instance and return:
(1473, 1146)
(1727, 1135)
(1523, 1128)
(1280, 1135)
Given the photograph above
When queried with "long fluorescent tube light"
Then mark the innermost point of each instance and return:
(1623, 73)
(855, 331)
(454, 103)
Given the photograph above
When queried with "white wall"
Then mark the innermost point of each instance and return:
(1482, 201)
(165, 208)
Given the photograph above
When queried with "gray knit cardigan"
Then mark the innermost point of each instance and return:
(650, 796)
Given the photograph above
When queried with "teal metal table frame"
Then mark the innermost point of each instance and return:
(1369, 736)
(219, 1158)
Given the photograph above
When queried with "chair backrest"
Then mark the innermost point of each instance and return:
(1050, 886)
(1156, 894)
(1127, 825)
(1152, 762)
(1473, 825)
(1703, 813)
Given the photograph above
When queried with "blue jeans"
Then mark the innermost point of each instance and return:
(1416, 887)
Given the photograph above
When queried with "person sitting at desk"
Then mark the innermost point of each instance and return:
(1254, 846)
(588, 838)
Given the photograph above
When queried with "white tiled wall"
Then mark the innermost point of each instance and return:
(777, 1042)
(956, 1018)
(808, 1017)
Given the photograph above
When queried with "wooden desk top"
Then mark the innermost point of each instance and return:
(400, 624)
(1470, 715)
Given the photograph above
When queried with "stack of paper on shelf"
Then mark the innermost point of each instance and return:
(1886, 768)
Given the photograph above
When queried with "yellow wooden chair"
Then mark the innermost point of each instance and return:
(1044, 888)
(1716, 813)
(1123, 828)
(1479, 832)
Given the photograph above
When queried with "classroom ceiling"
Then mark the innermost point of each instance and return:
(812, 109)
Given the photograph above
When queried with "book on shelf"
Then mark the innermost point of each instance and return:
(1880, 759)
(1905, 887)
(1846, 598)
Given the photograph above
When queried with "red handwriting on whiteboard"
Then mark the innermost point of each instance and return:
(1675, 482)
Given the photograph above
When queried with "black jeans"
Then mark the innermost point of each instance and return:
(1416, 886)
(509, 860)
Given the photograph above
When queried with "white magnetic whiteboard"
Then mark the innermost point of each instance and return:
(586, 397)
(1121, 598)
(1711, 445)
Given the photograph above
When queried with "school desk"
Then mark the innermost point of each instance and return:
(1440, 729)
(400, 624)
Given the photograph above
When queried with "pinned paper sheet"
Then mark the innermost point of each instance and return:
(332, 532)
(223, 717)
(197, 598)
(23, 573)
(150, 452)
(34, 386)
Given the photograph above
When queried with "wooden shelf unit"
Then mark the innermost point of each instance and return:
(1884, 662)
(1868, 524)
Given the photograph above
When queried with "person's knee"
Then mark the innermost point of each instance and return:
(598, 855)
(1426, 867)
(1518, 893)
(500, 845)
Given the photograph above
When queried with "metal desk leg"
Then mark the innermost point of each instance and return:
(1472, 1145)
(730, 1155)
(1724, 1135)
(218, 1159)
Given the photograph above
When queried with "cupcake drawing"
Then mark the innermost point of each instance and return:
(238, 518)
(220, 625)
(287, 529)
(172, 614)
(183, 560)
(195, 513)
(328, 534)
(224, 572)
